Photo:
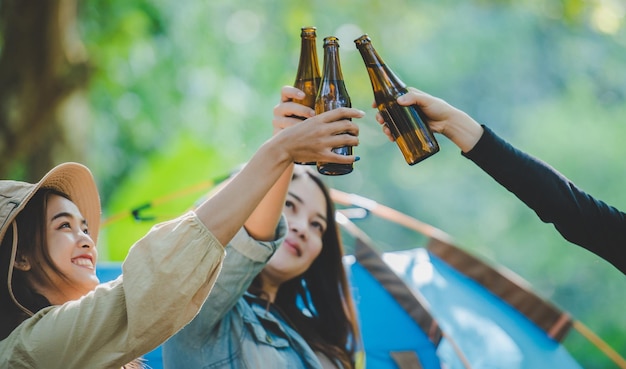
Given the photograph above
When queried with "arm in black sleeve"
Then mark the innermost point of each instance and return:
(579, 218)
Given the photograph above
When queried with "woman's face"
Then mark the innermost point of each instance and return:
(305, 210)
(72, 251)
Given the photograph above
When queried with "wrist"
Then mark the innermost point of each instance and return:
(275, 148)
(463, 131)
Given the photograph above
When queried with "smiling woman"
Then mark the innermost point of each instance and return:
(48, 284)
(68, 254)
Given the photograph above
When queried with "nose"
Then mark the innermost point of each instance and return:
(86, 241)
(298, 226)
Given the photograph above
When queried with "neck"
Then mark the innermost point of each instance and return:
(58, 296)
(269, 286)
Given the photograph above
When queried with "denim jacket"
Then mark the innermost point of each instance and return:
(235, 329)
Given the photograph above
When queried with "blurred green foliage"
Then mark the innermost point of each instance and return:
(184, 90)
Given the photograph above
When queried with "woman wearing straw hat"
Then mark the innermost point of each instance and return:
(54, 312)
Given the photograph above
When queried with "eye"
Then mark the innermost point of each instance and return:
(290, 204)
(86, 231)
(64, 225)
(319, 227)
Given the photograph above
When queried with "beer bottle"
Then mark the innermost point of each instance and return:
(414, 138)
(308, 76)
(332, 94)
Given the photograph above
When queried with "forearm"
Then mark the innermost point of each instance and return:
(579, 217)
(538, 185)
(261, 224)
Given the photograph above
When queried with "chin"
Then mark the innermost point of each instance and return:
(90, 285)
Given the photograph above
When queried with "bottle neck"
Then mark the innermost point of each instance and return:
(308, 65)
(380, 74)
(332, 64)
(370, 56)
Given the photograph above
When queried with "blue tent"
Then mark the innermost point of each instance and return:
(468, 316)
(471, 314)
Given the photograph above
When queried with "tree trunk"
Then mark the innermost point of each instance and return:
(43, 67)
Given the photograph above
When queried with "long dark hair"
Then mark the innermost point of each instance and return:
(319, 303)
(31, 237)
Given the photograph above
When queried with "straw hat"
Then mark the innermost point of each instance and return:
(73, 179)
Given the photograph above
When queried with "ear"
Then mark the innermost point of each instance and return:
(22, 263)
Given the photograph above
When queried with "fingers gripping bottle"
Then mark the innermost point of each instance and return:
(308, 76)
(332, 94)
(412, 135)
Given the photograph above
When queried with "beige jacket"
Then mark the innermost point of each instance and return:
(166, 278)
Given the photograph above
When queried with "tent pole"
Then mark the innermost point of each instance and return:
(600, 344)
(385, 212)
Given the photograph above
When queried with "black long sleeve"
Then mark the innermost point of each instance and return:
(580, 218)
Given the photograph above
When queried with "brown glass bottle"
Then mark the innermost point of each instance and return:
(332, 94)
(414, 138)
(308, 76)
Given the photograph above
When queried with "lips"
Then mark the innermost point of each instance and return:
(293, 247)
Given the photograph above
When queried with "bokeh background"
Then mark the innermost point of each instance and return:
(163, 98)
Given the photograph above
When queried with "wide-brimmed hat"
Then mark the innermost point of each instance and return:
(72, 179)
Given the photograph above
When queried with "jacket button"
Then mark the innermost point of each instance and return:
(268, 339)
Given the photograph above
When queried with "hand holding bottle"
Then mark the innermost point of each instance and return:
(413, 137)
(441, 117)
(314, 138)
(290, 112)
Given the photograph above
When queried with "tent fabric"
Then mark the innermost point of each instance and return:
(489, 332)
(390, 336)
(507, 286)
(412, 303)
(487, 319)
